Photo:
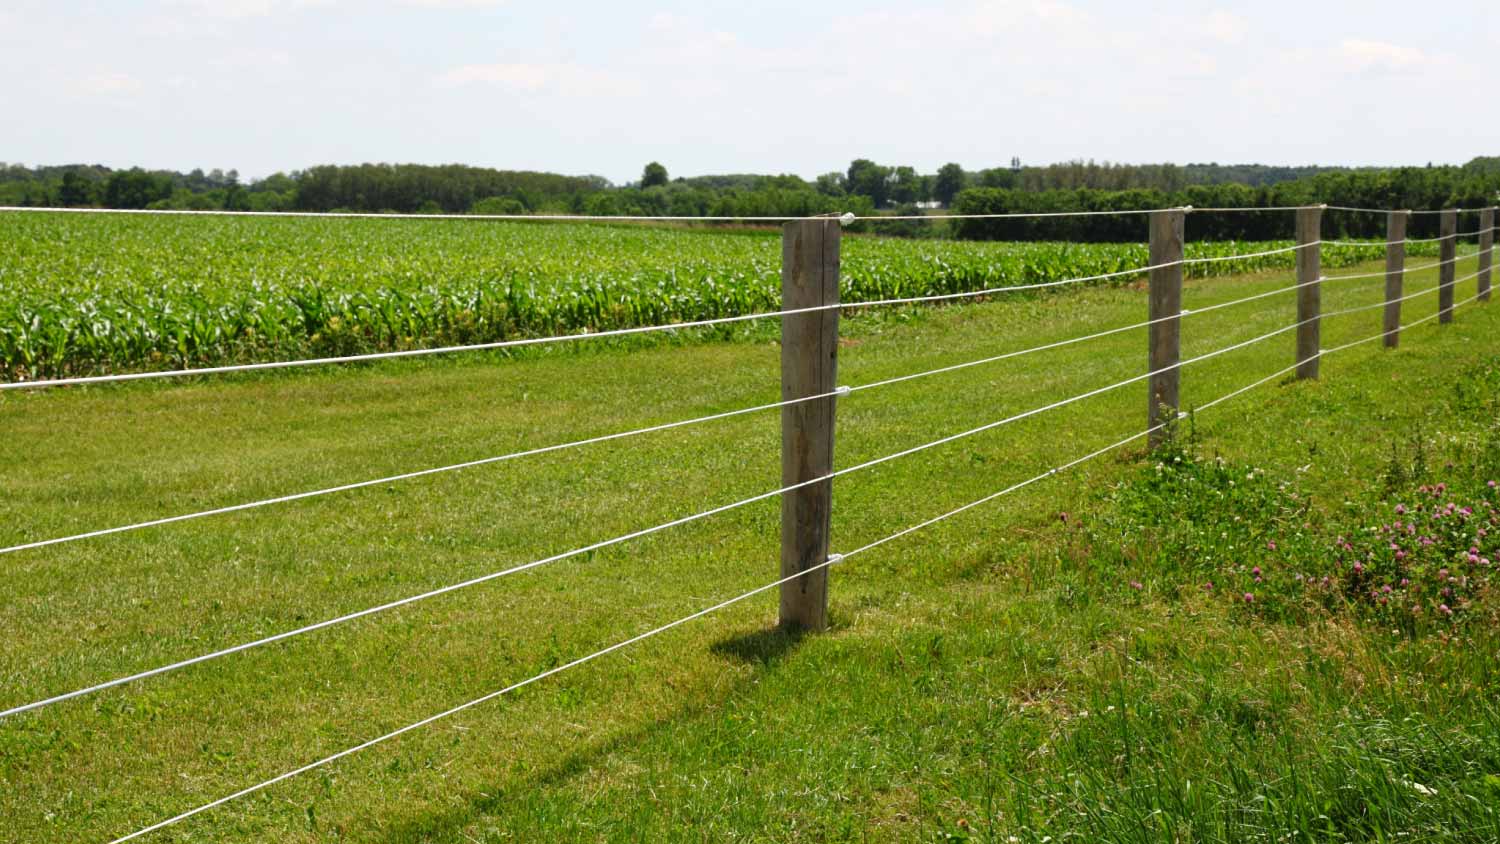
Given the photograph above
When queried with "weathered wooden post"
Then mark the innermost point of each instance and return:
(1309, 293)
(1486, 251)
(1395, 272)
(1447, 253)
(809, 367)
(1165, 343)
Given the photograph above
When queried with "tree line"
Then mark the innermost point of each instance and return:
(1473, 185)
(866, 187)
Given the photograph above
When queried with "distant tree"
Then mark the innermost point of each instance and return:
(832, 184)
(235, 196)
(497, 205)
(654, 175)
(905, 185)
(135, 188)
(950, 180)
(997, 177)
(267, 200)
(866, 178)
(75, 191)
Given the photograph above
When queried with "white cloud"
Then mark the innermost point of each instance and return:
(452, 4)
(242, 9)
(1224, 27)
(107, 84)
(568, 79)
(1359, 55)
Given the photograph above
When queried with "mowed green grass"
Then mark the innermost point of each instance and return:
(968, 688)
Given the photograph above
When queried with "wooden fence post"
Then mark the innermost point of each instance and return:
(1165, 343)
(1448, 230)
(809, 367)
(1395, 271)
(1310, 293)
(1486, 251)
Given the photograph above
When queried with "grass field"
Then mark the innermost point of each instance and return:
(92, 293)
(994, 678)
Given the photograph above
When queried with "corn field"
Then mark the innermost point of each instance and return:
(89, 294)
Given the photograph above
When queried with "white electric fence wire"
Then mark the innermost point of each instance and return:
(1050, 472)
(1258, 208)
(1426, 291)
(119, 681)
(251, 505)
(831, 560)
(620, 332)
(1012, 215)
(605, 218)
(943, 297)
(1399, 211)
(406, 353)
(596, 335)
(1388, 243)
(1280, 251)
(370, 215)
(586, 218)
(1404, 269)
(1095, 336)
(453, 467)
(617, 332)
(1412, 324)
(477, 701)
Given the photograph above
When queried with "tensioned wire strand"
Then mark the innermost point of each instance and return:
(649, 429)
(1408, 211)
(371, 215)
(1388, 243)
(251, 505)
(594, 335)
(1426, 291)
(1256, 208)
(829, 561)
(485, 578)
(588, 218)
(1405, 269)
(677, 218)
(621, 332)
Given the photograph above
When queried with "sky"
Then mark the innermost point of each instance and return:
(766, 87)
